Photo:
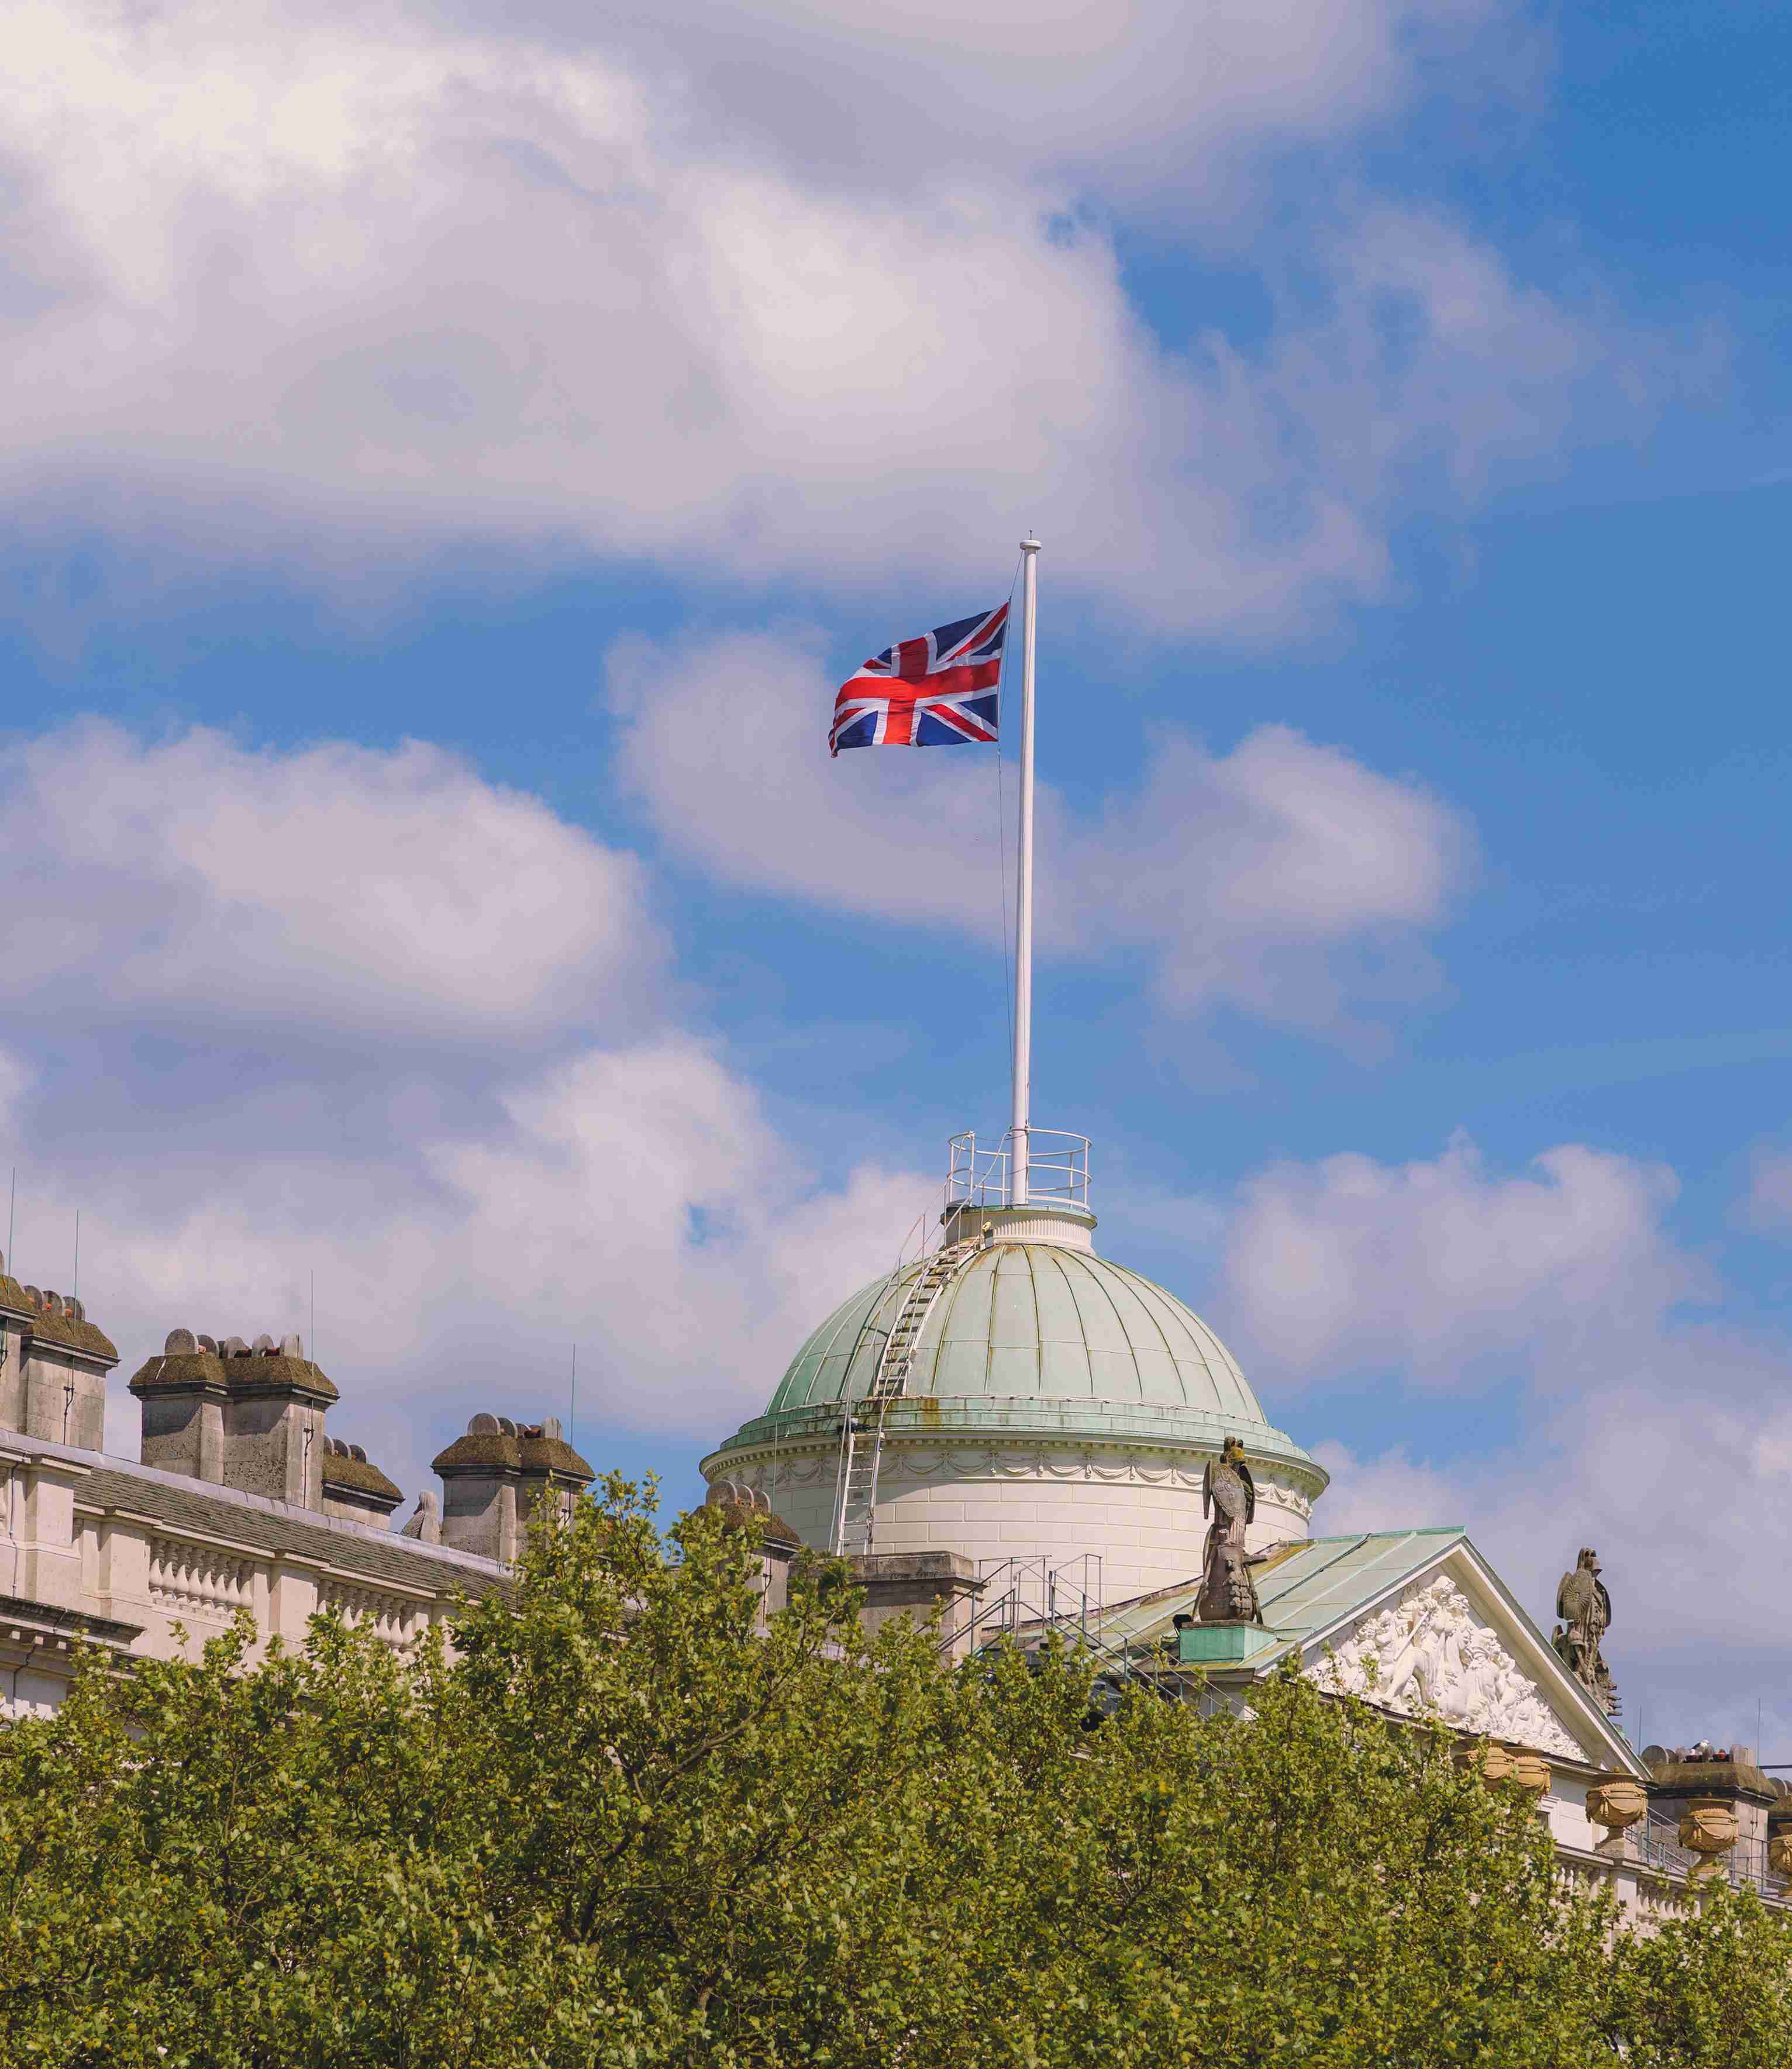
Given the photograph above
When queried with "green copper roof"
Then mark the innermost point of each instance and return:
(1038, 1320)
(1314, 1588)
(1308, 1588)
(1033, 1341)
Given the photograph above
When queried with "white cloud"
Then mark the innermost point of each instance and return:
(1437, 1267)
(1142, 97)
(364, 270)
(15, 1077)
(646, 1191)
(1662, 1440)
(1392, 1491)
(337, 886)
(635, 1202)
(1284, 877)
(1676, 1471)
(362, 1020)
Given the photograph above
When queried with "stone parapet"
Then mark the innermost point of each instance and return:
(915, 1584)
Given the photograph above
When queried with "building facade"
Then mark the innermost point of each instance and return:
(1010, 1430)
(242, 1500)
(1019, 1432)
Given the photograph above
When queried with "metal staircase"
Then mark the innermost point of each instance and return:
(862, 1420)
(1027, 1603)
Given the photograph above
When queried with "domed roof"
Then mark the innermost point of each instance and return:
(1030, 1339)
(1036, 1320)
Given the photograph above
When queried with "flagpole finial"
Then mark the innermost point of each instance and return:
(1030, 544)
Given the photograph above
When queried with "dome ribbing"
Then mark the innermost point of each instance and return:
(1044, 1379)
(1032, 1320)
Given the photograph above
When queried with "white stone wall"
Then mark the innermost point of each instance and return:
(1139, 1509)
(59, 1551)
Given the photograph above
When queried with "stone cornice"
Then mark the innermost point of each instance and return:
(20, 1612)
(70, 1469)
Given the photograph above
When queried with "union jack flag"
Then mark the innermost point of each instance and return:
(937, 691)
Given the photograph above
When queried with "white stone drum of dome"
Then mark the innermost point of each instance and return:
(1057, 1406)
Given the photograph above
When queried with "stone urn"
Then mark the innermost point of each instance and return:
(1530, 1770)
(1779, 1853)
(1616, 1804)
(1709, 1828)
(1492, 1762)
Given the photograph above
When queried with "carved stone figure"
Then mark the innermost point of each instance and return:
(1430, 1653)
(1585, 1609)
(1229, 1495)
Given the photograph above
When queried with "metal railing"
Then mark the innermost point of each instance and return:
(1656, 1840)
(1057, 1170)
(1025, 1604)
(1021, 1598)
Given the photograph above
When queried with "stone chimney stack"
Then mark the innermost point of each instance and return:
(249, 1417)
(53, 1367)
(354, 1489)
(274, 1423)
(499, 1475)
(183, 1395)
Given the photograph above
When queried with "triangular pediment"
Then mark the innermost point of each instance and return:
(1448, 1639)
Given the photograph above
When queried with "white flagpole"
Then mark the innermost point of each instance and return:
(1023, 917)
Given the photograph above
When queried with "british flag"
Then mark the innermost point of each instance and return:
(938, 691)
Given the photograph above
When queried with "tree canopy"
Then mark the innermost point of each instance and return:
(616, 1825)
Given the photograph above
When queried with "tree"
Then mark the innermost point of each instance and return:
(1712, 1989)
(615, 1825)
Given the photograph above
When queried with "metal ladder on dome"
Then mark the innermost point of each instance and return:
(862, 1420)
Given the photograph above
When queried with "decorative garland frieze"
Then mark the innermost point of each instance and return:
(950, 1461)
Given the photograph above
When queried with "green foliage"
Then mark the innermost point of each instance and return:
(1711, 1990)
(618, 1827)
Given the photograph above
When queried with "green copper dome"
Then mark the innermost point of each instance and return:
(1030, 1319)
(1040, 1338)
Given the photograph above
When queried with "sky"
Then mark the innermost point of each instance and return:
(449, 456)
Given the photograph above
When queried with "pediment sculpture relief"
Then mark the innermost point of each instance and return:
(1428, 1653)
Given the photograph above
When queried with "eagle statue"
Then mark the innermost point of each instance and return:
(1227, 1486)
(1229, 1495)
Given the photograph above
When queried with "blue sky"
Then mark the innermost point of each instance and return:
(452, 459)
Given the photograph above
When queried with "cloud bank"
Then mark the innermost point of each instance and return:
(340, 887)
(363, 1020)
(283, 276)
(1650, 1427)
